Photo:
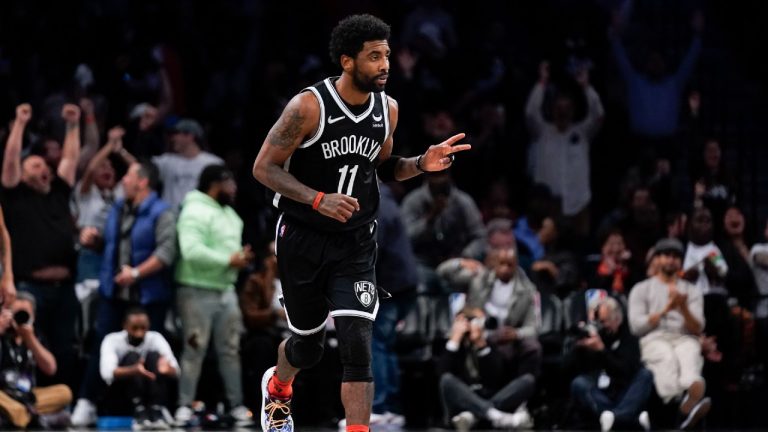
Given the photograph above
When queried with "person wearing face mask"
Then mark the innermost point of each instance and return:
(211, 256)
(138, 365)
(611, 381)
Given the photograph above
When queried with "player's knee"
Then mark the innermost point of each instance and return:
(355, 348)
(305, 351)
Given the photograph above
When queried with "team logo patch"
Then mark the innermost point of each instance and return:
(365, 292)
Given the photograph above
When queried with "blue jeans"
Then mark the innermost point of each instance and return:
(386, 371)
(55, 318)
(626, 407)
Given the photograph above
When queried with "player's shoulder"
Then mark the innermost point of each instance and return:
(303, 107)
(393, 105)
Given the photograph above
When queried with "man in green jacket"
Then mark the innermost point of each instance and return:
(211, 255)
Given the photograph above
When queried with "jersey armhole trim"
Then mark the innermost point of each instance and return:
(321, 124)
(385, 108)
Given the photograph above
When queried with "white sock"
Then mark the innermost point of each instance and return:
(494, 414)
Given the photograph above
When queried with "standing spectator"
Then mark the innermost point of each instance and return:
(36, 206)
(474, 382)
(7, 285)
(180, 169)
(92, 199)
(612, 382)
(715, 187)
(441, 221)
(560, 150)
(705, 267)
(758, 259)
(667, 314)
(739, 281)
(22, 355)
(139, 248)
(396, 274)
(507, 298)
(210, 257)
(138, 365)
(265, 322)
(654, 94)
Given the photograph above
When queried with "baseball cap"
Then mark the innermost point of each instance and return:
(188, 126)
(667, 245)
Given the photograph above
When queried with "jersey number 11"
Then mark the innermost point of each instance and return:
(352, 173)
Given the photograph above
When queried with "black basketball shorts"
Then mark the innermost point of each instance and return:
(326, 273)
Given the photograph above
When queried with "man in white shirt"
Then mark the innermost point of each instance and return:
(704, 265)
(559, 154)
(180, 169)
(138, 365)
(667, 314)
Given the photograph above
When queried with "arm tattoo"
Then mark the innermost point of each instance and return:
(287, 130)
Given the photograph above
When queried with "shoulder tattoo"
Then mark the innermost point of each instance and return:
(287, 129)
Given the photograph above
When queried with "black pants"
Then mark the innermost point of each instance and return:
(126, 393)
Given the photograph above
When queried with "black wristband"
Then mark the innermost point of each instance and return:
(386, 170)
(418, 163)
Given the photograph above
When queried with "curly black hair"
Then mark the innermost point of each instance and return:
(349, 35)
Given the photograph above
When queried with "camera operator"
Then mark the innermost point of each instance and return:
(21, 354)
(611, 381)
(508, 298)
(475, 383)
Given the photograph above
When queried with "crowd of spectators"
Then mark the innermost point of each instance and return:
(594, 261)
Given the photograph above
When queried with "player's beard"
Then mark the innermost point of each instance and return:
(365, 84)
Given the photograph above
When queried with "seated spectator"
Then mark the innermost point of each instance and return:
(557, 272)
(498, 234)
(667, 314)
(138, 365)
(508, 299)
(475, 383)
(613, 272)
(612, 383)
(22, 355)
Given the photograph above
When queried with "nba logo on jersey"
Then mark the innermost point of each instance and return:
(365, 292)
(282, 231)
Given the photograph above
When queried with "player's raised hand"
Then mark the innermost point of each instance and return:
(439, 157)
(338, 206)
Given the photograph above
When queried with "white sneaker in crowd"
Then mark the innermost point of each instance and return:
(84, 413)
(606, 421)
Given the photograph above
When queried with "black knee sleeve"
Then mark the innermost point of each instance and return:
(355, 348)
(305, 351)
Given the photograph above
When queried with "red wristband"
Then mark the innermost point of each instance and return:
(318, 198)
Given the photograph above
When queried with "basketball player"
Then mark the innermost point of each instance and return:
(321, 159)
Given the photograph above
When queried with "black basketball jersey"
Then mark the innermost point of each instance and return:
(340, 158)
